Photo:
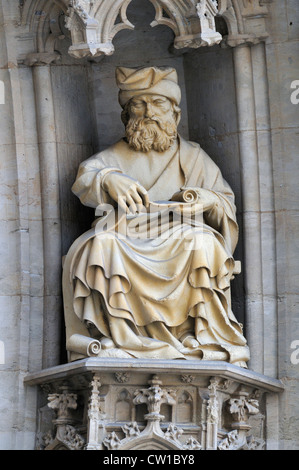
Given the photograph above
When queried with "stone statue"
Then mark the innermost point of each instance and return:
(151, 278)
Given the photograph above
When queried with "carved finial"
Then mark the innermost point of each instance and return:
(154, 397)
(94, 407)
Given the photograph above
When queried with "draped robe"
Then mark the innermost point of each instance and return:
(147, 293)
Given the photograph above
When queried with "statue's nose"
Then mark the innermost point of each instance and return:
(149, 113)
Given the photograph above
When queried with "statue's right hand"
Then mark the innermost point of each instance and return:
(126, 191)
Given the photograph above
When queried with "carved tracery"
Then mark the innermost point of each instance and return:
(93, 24)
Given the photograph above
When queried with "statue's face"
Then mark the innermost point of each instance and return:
(152, 123)
(149, 106)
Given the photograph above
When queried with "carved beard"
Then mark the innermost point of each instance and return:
(145, 134)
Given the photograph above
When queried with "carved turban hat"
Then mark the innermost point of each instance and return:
(148, 80)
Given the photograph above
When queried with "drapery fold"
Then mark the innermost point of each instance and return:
(148, 293)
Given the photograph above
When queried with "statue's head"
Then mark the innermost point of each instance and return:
(150, 100)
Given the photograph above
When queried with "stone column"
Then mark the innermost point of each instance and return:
(21, 245)
(251, 203)
(51, 213)
(266, 188)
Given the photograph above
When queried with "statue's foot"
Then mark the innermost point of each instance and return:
(107, 343)
(190, 342)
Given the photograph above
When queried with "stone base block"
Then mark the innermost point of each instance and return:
(110, 404)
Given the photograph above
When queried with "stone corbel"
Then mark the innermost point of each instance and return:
(41, 58)
(235, 40)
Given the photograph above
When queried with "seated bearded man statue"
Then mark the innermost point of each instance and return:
(159, 290)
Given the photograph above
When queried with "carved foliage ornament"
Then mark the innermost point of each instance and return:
(225, 411)
(66, 436)
(238, 441)
(153, 396)
(241, 407)
(62, 402)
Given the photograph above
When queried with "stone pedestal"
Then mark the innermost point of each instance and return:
(120, 404)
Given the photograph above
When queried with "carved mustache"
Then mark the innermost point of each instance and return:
(138, 124)
(141, 121)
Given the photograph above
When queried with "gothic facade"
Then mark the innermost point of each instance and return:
(237, 62)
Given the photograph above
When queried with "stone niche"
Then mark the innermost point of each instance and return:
(109, 404)
(78, 114)
(120, 404)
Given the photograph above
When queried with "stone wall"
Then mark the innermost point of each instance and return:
(21, 325)
(212, 117)
(282, 69)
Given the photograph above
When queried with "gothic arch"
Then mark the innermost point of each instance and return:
(98, 23)
(94, 24)
(40, 20)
